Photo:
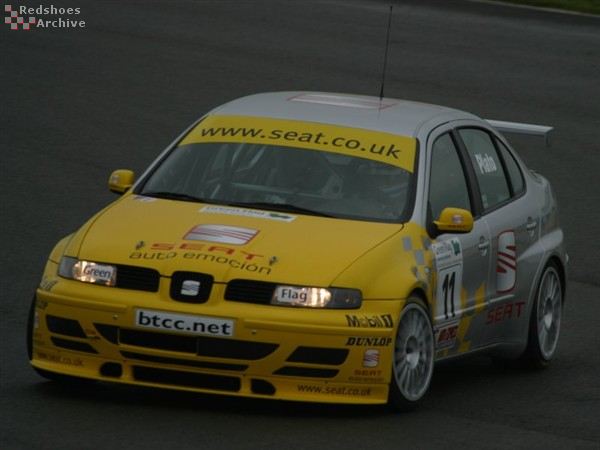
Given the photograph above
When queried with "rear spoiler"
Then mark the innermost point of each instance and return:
(523, 128)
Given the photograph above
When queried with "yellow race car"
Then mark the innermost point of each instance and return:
(312, 247)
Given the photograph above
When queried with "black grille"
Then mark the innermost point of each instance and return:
(184, 362)
(159, 341)
(108, 332)
(234, 349)
(262, 387)
(187, 379)
(307, 372)
(318, 355)
(137, 278)
(195, 345)
(66, 327)
(73, 345)
(250, 291)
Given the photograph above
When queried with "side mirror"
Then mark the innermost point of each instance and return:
(454, 220)
(121, 180)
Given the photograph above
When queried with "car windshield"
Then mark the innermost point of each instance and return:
(283, 179)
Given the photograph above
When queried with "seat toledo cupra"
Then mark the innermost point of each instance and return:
(313, 247)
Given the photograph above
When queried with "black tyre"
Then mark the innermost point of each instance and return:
(413, 356)
(30, 319)
(546, 315)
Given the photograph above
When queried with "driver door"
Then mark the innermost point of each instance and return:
(462, 261)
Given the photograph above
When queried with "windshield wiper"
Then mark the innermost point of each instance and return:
(282, 207)
(174, 196)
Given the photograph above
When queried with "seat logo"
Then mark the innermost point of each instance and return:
(221, 233)
(190, 288)
(506, 268)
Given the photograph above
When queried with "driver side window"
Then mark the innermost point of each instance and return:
(447, 183)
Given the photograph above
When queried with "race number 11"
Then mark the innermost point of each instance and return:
(449, 264)
(448, 289)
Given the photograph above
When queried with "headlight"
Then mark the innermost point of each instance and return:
(314, 297)
(87, 271)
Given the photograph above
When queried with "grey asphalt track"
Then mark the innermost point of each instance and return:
(78, 102)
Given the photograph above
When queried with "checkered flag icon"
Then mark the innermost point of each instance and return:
(14, 20)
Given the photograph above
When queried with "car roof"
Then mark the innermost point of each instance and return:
(387, 115)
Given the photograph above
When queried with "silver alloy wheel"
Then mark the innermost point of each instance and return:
(549, 312)
(413, 353)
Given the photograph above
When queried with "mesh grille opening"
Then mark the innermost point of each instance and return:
(307, 372)
(319, 355)
(186, 379)
(137, 278)
(250, 291)
(73, 345)
(66, 327)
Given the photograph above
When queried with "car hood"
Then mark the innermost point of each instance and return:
(228, 242)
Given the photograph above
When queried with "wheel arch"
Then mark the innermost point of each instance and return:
(562, 273)
(421, 294)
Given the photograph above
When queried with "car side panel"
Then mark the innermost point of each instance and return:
(516, 256)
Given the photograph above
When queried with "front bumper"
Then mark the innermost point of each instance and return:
(334, 356)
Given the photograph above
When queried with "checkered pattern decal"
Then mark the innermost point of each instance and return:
(14, 20)
(417, 249)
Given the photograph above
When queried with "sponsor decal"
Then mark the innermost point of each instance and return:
(382, 321)
(445, 336)
(506, 267)
(335, 390)
(291, 295)
(248, 213)
(144, 199)
(184, 323)
(154, 255)
(447, 253)
(368, 373)
(216, 249)
(234, 258)
(369, 341)
(222, 234)
(505, 312)
(374, 145)
(99, 273)
(60, 359)
(371, 358)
